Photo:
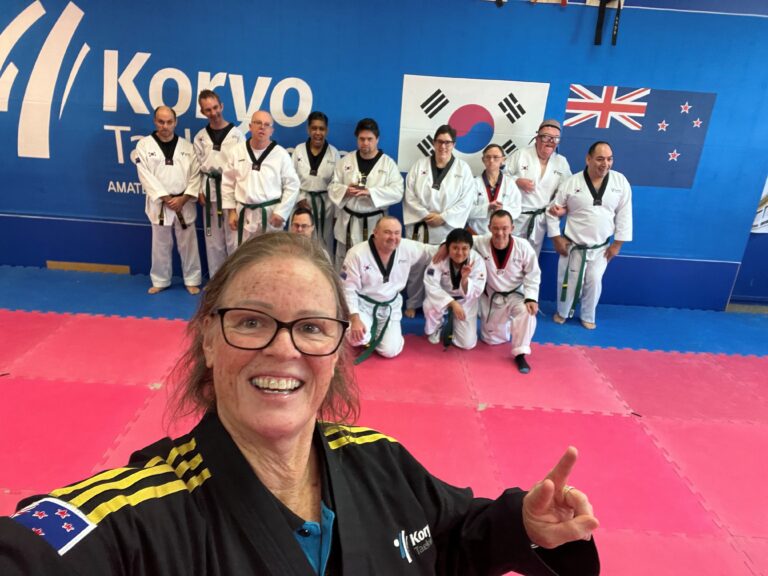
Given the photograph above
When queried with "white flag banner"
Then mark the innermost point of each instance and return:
(503, 112)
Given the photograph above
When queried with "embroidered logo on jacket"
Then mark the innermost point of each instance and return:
(415, 543)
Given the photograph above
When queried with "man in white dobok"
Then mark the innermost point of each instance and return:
(210, 147)
(509, 305)
(598, 202)
(373, 274)
(364, 185)
(538, 171)
(170, 175)
(260, 184)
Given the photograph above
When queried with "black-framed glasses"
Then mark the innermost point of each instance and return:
(546, 138)
(249, 329)
(444, 142)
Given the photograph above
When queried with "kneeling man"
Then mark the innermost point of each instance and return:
(453, 287)
(509, 305)
(374, 273)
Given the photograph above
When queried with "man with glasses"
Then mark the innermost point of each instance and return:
(210, 147)
(439, 192)
(260, 185)
(598, 202)
(364, 184)
(538, 171)
(493, 191)
(373, 275)
(303, 223)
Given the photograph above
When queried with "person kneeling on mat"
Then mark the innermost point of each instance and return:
(453, 287)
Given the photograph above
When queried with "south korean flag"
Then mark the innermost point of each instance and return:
(502, 112)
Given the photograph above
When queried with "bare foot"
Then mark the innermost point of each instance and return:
(588, 325)
(410, 313)
(155, 289)
(193, 290)
(558, 319)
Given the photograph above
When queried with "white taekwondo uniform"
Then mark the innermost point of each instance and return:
(451, 197)
(524, 163)
(377, 299)
(385, 185)
(259, 186)
(503, 314)
(174, 176)
(438, 283)
(589, 228)
(314, 188)
(452, 200)
(220, 239)
(505, 191)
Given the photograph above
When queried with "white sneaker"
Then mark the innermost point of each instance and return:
(434, 338)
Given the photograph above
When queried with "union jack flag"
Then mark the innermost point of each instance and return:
(606, 107)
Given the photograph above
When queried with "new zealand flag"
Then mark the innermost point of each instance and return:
(656, 135)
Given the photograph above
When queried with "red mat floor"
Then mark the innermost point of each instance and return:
(672, 446)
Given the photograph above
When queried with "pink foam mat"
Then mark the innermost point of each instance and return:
(687, 385)
(93, 348)
(10, 498)
(423, 372)
(52, 433)
(756, 551)
(561, 377)
(448, 440)
(21, 332)
(628, 480)
(154, 421)
(726, 463)
(630, 553)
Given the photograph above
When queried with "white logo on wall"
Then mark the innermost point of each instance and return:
(37, 104)
(482, 112)
(35, 116)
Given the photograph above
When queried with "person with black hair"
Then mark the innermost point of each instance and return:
(314, 162)
(452, 290)
(364, 185)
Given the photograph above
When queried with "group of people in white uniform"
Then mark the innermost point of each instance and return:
(471, 244)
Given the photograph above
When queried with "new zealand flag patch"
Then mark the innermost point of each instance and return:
(59, 523)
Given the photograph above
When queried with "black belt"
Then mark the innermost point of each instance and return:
(214, 175)
(418, 226)
(493, 295)
(179, 215)
(364, 216)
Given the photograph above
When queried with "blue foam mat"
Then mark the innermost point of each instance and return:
(635, 327)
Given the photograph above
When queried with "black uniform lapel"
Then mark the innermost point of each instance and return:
(349, 524)
(250, 506)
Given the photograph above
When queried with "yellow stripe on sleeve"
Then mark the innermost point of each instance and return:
(103, 510)
(119, 484)
(344, 440)
(153, 492)
(108, 474)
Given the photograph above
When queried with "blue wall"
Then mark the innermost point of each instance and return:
(351, 55)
